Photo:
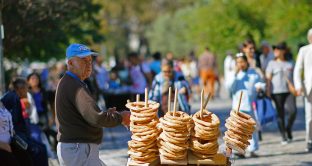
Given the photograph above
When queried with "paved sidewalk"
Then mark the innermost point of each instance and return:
(114, 147)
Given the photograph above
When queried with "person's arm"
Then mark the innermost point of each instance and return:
(298, 72)
(268, 80)
(89, 110)
(155, 93)
(5, 146)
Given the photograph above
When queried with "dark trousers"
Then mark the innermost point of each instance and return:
(17, 157)
(280, 100)
(36, 150)
(7, 158)
(38, 153)
(291, 109)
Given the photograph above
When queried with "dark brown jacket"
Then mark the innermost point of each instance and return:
(78, 118)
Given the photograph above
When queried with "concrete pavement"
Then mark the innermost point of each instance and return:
(271, 152)
(114, 147)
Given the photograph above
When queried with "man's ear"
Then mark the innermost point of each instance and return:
(70, 62)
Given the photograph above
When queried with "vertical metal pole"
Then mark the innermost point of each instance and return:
(2, 81)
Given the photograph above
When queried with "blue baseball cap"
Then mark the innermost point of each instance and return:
(78, 50)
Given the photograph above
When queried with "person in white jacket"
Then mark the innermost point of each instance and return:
(303, 84)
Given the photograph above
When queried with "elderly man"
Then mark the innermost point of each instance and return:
(304, 84)
(79, 120)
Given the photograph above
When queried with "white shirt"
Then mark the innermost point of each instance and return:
(229, 69)
(304, 64)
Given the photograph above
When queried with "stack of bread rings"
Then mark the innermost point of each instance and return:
(204, 136)
(173, 141)
(240, 128)
(143, 122)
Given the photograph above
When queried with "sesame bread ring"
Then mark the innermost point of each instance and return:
(149, 132)
(233, 146)
(141, 154)
(179, 116)
(235, 142)
(174, 136)
(142, 148)
(178, 122)
(140, 114)
(170, 156)
(145, 138)
(150, 124)
(213, 150)
(172, 140)
(205, 137)
(140, 106)
(141, 119)
(242, 117)
(150, 160)
(203, 144)
(137, 144)
(142, 158)
(135, 129)
(172, 125)
(237, 137)
(241, 124)
(173, 147)
(202, 156)
(164, 147)
(204, 132)
(242, 127)
(235, 130)
(202, 127)
(210, 120)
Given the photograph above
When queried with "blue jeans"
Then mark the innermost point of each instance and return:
(254, 142)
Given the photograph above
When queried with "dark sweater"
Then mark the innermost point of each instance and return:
(78, 118)
(11, 102)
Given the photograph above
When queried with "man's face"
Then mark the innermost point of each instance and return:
(278, 53)
(167, 71)
(265, 50)
(22, 91)
(83, 66)
(249, 50)
(134, 60)
(169, 56)
(241, 64)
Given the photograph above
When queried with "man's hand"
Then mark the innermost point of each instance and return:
(299, 92)
(111, 110)
(182, 90)
(125, 118)
(5, 147)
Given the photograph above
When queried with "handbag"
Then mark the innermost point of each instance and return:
(265, 111)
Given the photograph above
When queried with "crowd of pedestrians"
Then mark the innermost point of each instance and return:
(27, 110)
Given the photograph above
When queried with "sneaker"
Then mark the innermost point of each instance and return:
(284, 142)
(253, 155)
(241, 156)
(289, 135)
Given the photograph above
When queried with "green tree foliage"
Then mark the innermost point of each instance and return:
(39, 30)
(223, 25)
(120, 18)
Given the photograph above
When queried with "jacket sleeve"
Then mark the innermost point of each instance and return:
(154, 93)
(89, 110)
(298, 70)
